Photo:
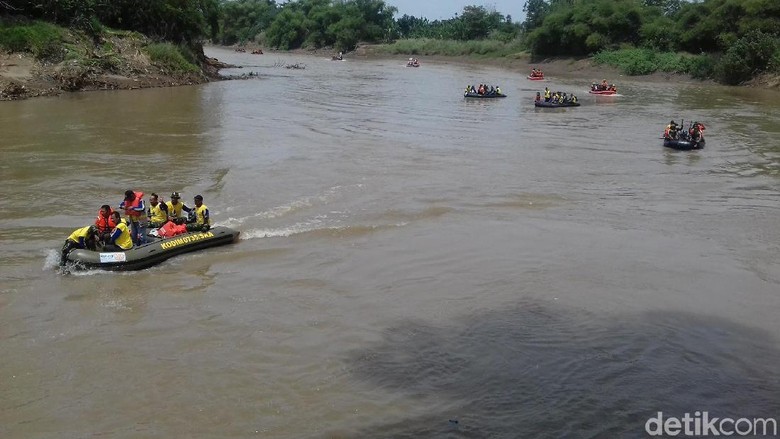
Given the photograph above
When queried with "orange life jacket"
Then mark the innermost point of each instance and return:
(170, 229)
(104, 224)
(134, 214)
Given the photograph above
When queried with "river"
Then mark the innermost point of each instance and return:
(411, 264)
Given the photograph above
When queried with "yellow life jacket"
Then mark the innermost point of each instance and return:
(547, 94)
(124, 241)
(200, 214)
(174, 210)
(156, 214)
(79, 233)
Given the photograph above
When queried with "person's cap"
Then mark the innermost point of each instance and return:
(175, 195)
(128, 194)
(199, 197)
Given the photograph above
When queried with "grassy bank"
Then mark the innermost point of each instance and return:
(756, 55)
(474, 48)
(52, 43)
(40, 59)
(645, 61)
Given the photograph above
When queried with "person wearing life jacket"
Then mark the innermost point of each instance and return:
(135, 210)
(671, 131)
(698, 126)
(84, 237)
(498, 90)
(547, 93)
(120, 239)
(157, 212)
(103, 221)
(604, 85)
(573, 98)
(201, 222)
(175, 209)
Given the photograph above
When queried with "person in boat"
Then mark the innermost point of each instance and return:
(695, 134)
(498, 90)
(85, 237)
(157, 213)
(546, 94)
(175, 209)
(538, 97)
(671, 131)
(604, 85)
(201, 222)
(103, 221)
(135, 211)
(121, 238)
(699, 126)
(573, 98)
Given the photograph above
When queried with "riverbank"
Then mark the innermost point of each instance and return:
(118, 60)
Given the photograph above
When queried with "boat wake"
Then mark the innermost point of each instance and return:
(289, 208)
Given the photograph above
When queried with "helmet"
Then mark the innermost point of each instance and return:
(93, 230)
(672, 123)
(199, 197)
(175, 195)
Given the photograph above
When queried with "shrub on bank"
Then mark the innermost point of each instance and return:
(427, 46)
(44, 40)
(172, 57)
(749, 56)
(634, 61)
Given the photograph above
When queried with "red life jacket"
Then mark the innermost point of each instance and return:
(134, 214)
(170, 229)
(104, 224)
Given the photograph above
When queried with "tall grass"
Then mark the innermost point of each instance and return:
(482, 48)
(634, 61)
(44, 40)
(172, 57)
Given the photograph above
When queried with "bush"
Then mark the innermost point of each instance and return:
(747, 57)
(426, 46)
(44, 40)
(633, 61)
(171, 57)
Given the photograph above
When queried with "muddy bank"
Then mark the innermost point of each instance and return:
(87, 67)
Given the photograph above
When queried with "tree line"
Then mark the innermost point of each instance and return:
(735, 39)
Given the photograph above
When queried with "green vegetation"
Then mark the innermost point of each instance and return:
(728, 40)
(733, 40)
(172, 57)
(173, 20)
(484, 48)
(44, 40)
(646, 61)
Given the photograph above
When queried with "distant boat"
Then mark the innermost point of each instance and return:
(543, 104)
(484, 96)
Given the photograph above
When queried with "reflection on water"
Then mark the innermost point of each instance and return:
(545, 371)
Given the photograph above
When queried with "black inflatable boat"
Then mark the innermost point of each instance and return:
(151, 253)
(683, 144)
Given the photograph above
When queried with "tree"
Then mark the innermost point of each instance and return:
(535, 11)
